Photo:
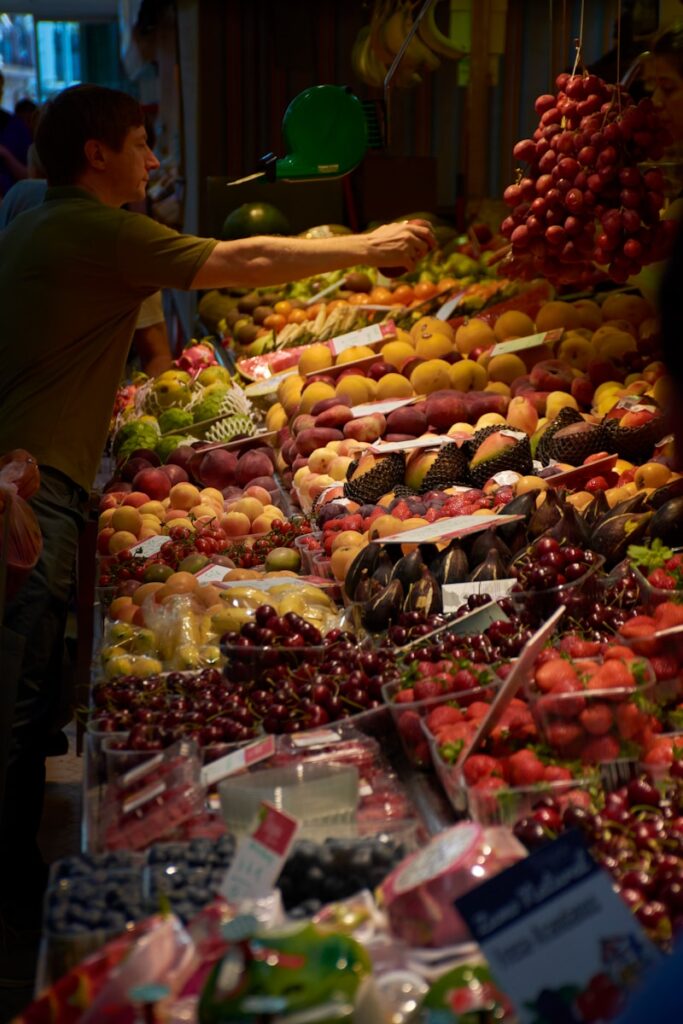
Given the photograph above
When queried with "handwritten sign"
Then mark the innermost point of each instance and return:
(446, 529)
(365, 336)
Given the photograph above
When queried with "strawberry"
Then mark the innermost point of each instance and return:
(456, 732)
(630, 720)
(662, 580)
(431, 515)
(639, 625)
(613, 674)
(409, 726)
(477, 710)
(616, 652)
(401, 511)
(668, 614)
(559, 703)
(562, 735)
(665, 666)
(662, 753)
(675, 562)
(552, 672)
(600, 749)
(490, 782)
(525, 768)
(446, 714)
(406, 696)
(556, 773)
(575, 647)
(464, 679)
(426, 688)
(597, 719)
(481, 766)
(420, 755)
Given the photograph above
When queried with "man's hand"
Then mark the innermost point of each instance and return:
(400, 245)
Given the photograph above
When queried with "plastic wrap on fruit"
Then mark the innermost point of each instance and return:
(19, 480)
(181, 629)
(419, 894)
(462, 994)
(285, 973)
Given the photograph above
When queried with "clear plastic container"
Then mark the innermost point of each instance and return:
(539, 604)
(320, 796)
(407, 716)
(651, 596)
(307, 550)
(588, 723)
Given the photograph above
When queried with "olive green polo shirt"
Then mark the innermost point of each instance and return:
(73, 273)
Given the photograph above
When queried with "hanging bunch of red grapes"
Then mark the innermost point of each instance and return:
(584, 199)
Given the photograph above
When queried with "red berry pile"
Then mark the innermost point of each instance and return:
(282, 535)
(584, 199)
(637, 837)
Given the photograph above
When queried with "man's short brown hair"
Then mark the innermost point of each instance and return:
(76, 115)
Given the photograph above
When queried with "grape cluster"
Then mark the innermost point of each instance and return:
(584, 199)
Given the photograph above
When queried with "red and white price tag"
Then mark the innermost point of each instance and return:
(150, 546)
(446, 529)
(238, 760)
(260, 856)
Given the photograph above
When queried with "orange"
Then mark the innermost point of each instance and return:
(275, 322)
(284, 307)
(381, 296)
(331, 306)
(126, 518)
(297, 316)
(424, 290)
(340, 561)
(359, 299)
(118, 606)
(181, 583)
(121, 541)
(144, 590)
(404, 294)
(312, 311)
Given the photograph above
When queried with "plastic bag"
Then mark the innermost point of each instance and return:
(19, 480)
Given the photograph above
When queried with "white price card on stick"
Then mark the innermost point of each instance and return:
(522, 344)
(449, 307)
(446, 529)
(385, 447)
(260, 856)
(150, 546)
(365, 336)
(237, 760)
(386, 406)
(509, 689)
(453, 594)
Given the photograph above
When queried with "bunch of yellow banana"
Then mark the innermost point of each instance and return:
(377, 45)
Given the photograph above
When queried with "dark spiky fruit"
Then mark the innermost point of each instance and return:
(502, 449)
(635, 443)
(575, 442)
(564, 418)
(373, 476)
(436, 469)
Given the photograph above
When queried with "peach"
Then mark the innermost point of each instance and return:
(262, 524)
(468, 375)
(105, 518)
(216, 469)
(174, 513)
(251, 508)
(258, 492)
(211, 495)
(336, 416)
(152, 508)
(235, 524)
(112, 499)
(339, 466)
(135, 499)
(503, 368)
(126, 518)
(103, 538)
(251, 465)
(145, 590)
(121, 540)
(119, 605)
(154, 483)
(320, 460)
(341, 559)
(184, 495)
(522, 415)
(366, 428)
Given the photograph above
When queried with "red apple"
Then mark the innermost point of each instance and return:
(181, 456)
(134, 466)
(154, 482)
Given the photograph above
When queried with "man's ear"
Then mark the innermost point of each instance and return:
(94, 154)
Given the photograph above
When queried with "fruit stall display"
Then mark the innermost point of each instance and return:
(321, 580)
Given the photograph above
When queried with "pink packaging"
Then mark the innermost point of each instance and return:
(419, 894)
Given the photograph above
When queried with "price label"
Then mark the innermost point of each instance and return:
(449, 307)
(150, 546)
(523, 344)
(260, 856)
(580, 475)
(237, 761)
(365, 336)
(454, 594)
(320, 737)
(388, 405)
(384, 447)
(556, 934)
(446, 529)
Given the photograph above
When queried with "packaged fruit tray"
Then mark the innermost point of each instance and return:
(453, 684)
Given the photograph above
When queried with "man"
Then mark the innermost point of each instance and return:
(73, 273)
